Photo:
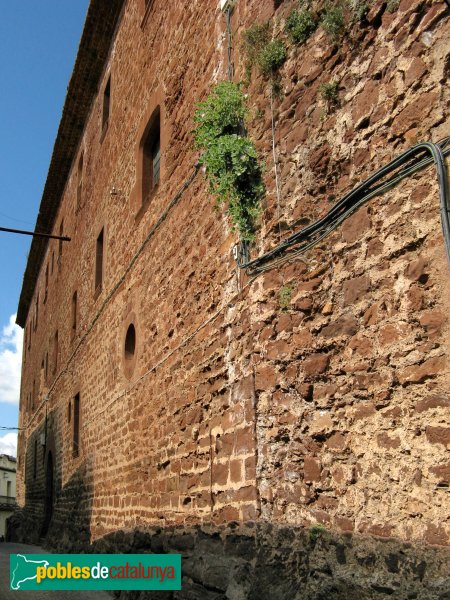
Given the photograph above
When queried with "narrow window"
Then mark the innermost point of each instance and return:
(76, 425)
(35, 459)
(69, 412)
(55, 352)
(80, 181)
(106, 105)
(8, 489)
(130, 342)
(46, 284)
(151, 155)
(99, 262)
(74, 314)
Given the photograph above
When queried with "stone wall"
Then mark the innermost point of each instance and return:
(328, 407)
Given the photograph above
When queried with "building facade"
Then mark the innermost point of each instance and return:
(7, 490)
(171, 401)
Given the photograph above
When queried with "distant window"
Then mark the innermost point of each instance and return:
(79, 182)
(106, 104)
(76, 425)
(74, 314)
(55, 352)
(69, 412)
(151, 156)
(99, 262)
(130, 342)
(8, 489)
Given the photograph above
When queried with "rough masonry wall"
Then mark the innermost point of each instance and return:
(352, 376)
(328, 410)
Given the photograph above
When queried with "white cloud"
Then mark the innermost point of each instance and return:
(8, 444)
(10, 361)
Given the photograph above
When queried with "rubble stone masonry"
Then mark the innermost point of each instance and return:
(244, 419)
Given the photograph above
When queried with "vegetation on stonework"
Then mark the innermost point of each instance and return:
(316, 531)
(229, 156)
(272, 57)
(268, 55)
(329, 92)
(300, 24)
(285, 297)
(360, 8)
(333, 20)
(392, 5)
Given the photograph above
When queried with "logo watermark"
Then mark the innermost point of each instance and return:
(95, 572)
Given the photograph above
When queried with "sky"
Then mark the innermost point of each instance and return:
(38, 45)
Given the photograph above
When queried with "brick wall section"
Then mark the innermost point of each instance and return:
(331, 410)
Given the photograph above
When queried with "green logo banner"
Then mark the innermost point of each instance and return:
(95, 571)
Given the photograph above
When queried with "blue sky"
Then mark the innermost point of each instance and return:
(38, 45)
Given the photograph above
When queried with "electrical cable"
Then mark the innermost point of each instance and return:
(411, 160)
(230, 46)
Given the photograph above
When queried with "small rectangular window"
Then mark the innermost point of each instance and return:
(151, 156)
(74, 314)
(106, 105)
(99, 262)
(76, 425)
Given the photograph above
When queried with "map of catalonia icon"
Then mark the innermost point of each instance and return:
(24, 569)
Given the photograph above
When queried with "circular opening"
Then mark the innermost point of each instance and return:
(130, 342)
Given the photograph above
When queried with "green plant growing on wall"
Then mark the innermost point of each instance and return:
(333, 20)
(285, 296)
(272, 57)
(229, 156)
(316, 532)
(267, 55)
(359, 8)
(300, 25)
(254, 39)
(329, 92)
(392, 5)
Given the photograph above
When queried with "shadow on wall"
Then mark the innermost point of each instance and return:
(260, 561)
(54, 515)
